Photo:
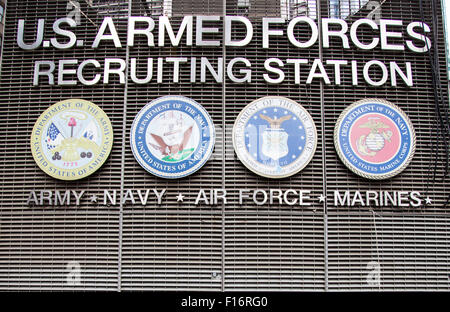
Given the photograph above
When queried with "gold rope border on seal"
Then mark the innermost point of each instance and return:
(359, 172)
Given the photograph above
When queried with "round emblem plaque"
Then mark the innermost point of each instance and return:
(71, 139)
(172, 137)
(375, 139)
(274, 137)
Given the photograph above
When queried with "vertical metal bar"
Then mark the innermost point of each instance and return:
(224, 12)
(122, 164)
(325, 238)
(376, 241)
(324, 163)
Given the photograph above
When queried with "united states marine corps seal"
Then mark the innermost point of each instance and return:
(71, 139)
(172, 137)
(375, 139)
(274, 137)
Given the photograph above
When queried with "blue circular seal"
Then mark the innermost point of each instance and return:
(274, 137)
(172, 137)
(375, 139)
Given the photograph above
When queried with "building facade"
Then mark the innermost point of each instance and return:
(117, 236)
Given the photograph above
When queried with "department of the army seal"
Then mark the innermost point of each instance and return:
(274, 137)
(172, 137)
(71, 139)
(375, 139)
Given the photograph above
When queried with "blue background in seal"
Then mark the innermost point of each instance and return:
(405, 138)
(291, 127)
(206, 137)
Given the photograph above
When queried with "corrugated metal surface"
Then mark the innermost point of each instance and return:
(181, 246)
(411, 251)
(37, 243)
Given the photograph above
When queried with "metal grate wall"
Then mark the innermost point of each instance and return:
(177, 246)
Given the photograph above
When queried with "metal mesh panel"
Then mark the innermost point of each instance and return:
(411, 250)
(182, 246)
(37, 243)
(271, 252)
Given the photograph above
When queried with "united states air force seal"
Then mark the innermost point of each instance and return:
(375, 139)
(71, 139)
(274, 137)
(172, 137)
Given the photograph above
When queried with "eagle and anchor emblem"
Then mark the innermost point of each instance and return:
(274, 137)
(369, 145)
(172, 137)
(375, 139)
(72, 139)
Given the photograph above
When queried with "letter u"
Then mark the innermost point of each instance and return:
(39, 36)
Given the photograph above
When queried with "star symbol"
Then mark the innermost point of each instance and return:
(300, 127)
(428, 200)
(93, 198)
(295, 118)
(285, 112)
(321, 198)
(293, 156)
(302, 137)
(256, 117)
(275, 110)
(180, 197)
(299, 148)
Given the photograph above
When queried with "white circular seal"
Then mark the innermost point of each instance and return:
(72, 139)
(375, 139)
(172, 137)
(274, 137)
